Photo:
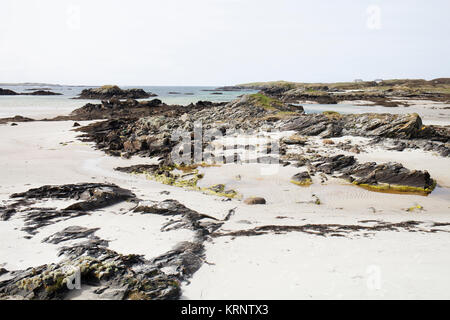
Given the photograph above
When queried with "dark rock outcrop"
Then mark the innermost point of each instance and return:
(41, 217)
(384, 93)
(116, 277)
(188, 219)
(99, 195)
(151, 134)
(385, 125)
(15, 119)
(43, 93)
(94, 196)
(388, 177)
(115, 108)
(70, 233)
(331, 164)
(114, 92)
(108, 274)
(7, 92)
(255, 200)
(302, 179)
(6, 213)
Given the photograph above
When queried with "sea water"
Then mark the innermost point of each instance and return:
(40, 107)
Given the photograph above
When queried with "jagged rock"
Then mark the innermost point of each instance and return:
(6, 213)
(389, 177)
(151, 134)
(129, 276)
(94, 195)
(309, 125)
(185, 259)
(302, 179)
(41, 217)
(382, 125)
(146, 136)
(68, 191)
(442, 149)
(70, 233)
(101, 197)
(330, 164)
(255, 200)
(385, 125)
(383, 177)
(76, 124)
(109, 92)
(189, 219)
(115, 108)
(93, 247)
(112, 275)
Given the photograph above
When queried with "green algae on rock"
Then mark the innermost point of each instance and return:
(105, 268)
(183, 176)
(387, 177)
(219, 190)
(397, 189)
(302, 179)
(390, 177)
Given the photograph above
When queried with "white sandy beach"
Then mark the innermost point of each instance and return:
(227, 150)
(273, 266)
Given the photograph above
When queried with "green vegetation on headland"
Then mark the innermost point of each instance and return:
(388, 93)
(263, 101)
(440, 85)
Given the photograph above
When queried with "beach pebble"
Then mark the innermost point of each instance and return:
(255, 200)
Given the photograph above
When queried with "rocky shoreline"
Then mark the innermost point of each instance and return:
(315, 152)
(116, 276)
(384, 93)
(150, 136)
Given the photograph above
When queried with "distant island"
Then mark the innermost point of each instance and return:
(36, 84)
(8, 92)
(114, 92)
(383, 92)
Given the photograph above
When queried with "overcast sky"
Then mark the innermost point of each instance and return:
(220, 42)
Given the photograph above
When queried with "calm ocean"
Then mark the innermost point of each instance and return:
(48, 106)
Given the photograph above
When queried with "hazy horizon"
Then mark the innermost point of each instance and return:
(183, 85)
(221, 42)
